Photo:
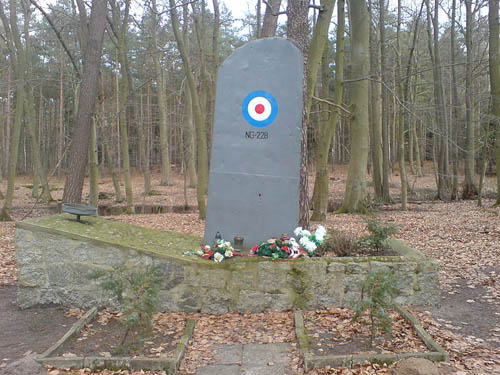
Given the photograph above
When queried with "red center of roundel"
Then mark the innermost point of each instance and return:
(259, 108)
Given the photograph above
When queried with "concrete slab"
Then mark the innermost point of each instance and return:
(228, 354)
(219, 370)
(262, 354)
(275, 369)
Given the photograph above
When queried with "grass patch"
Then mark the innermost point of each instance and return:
(122, 234)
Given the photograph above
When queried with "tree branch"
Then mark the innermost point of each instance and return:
(275, 14)
(331, 103)
(177, 6)
(318, 7)
(59, 37)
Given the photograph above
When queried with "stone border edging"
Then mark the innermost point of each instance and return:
(171, 365)
(311, 360)
(74, 330)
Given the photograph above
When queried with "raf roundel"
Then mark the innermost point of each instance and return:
(259, 108)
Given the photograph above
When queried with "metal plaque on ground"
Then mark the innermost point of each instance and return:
(253, 189)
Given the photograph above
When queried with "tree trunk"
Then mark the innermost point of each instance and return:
(328, 129)
(197, 114)
(107, 150)
(469, 188)
(385, 107)
(258, 19)
(189, 152)
(166, 169)
(18, 60)
(270, 19)
(93, 165)
(376, 113)
(124, 93)
(8, 122)
(298, 30)
(443, 179)
(454, 104)
(494, 64)
(29, 110)
(60, 138)
(77, 162)
(401, 119)
(144, 160)
(355, 193)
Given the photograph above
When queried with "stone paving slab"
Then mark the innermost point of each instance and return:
(275, 369)
(262, 354)
(219, 370)
(248, 359)
(228, 354)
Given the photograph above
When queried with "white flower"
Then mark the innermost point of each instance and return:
(228, 253)
(297, 231)
(320, 233)
(310, 246)
(207, 248)
(200, 252)
(307, 244)
(218, 257)
(320, 230)
(304, 240)
(305, 233)
(227, 244)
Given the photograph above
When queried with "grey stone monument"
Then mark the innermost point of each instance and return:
(253, 189)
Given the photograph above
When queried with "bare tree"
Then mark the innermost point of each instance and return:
(270, 18)
(355, 192)
(86, 106)
(199, 120)
(494, 63)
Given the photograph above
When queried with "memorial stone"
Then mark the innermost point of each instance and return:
(253, 189)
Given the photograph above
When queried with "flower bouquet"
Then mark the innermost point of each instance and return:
(275, 248)
(220, 251)
(309, 241)
(284, 247)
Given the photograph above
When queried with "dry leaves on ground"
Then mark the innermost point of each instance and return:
(234, 328)
(333, 332)
(8, 270)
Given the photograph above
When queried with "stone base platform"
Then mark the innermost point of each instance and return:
(56, 254)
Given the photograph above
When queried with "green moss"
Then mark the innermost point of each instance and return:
(122, 234)
(300, 281)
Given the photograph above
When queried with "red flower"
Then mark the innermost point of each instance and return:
(272, 246)
(255, 248)
(285, 249)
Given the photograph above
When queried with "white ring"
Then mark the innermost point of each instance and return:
(259, 116)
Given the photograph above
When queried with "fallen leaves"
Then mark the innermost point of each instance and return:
(235, 328)
(8, 270)
(333, 332)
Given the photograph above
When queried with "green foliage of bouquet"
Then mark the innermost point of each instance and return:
(276, 248)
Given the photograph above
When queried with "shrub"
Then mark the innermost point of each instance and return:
(379, 233)
(136, 291)
(377, 292)
(340, 243)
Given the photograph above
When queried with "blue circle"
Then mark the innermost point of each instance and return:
(268, 120)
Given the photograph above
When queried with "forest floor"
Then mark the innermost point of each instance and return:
(463, 237)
